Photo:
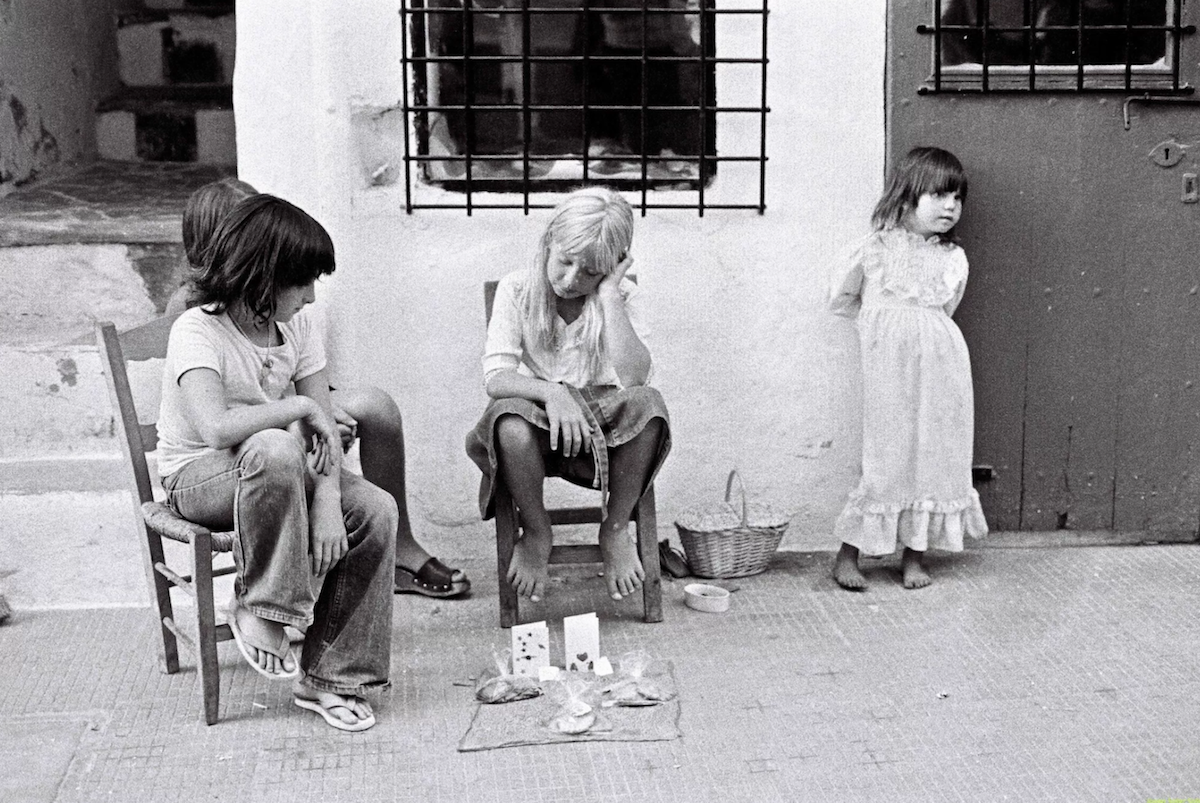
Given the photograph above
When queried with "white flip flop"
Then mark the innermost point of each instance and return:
(282, 650)
(315, 705)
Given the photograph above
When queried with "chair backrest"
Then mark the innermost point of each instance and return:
(142, 343)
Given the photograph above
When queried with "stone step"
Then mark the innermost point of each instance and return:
(190, 123)
(54, 294)
(54, 401)
(80, 549)
(188, 46)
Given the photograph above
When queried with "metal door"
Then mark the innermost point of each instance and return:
(1083, 233)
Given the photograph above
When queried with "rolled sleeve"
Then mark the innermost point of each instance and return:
(191, 345)
(309, 327)
(504, 346)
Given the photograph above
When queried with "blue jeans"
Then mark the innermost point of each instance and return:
(260, 490)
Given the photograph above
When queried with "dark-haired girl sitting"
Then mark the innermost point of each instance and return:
(229, 461)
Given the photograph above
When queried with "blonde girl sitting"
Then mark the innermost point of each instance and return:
(566, 367)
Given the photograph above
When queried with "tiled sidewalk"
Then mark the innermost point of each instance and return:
(1023, 674)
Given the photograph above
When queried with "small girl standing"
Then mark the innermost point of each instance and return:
(229, 463)
(566, 366)
(903, 282)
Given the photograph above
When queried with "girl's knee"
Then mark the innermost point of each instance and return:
(274, 452)
(514, 432)
(372, 406)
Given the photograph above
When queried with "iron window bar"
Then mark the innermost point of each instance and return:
(418, 62)
(1084, 76)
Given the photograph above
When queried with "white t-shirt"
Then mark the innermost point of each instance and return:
(507, 348)
(251, 374)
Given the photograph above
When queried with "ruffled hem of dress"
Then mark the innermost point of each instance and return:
(924, 524)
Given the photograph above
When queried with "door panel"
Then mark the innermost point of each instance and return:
(1157, 487)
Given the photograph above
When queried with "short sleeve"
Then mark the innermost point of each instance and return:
(846, 282)
(309, 329)
(191, 344)
(504, 347)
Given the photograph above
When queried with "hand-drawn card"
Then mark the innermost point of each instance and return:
(581, 637)
(530, 648)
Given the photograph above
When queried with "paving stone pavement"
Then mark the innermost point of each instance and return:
(104, 202)
(1024, 674)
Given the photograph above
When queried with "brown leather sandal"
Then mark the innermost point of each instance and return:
(434, 579)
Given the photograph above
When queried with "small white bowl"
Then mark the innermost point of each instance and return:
(703, 597)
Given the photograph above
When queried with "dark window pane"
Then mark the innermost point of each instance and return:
(1023, 32)
(620, 55)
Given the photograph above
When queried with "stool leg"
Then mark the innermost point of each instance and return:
(647, 541)
(506, 538)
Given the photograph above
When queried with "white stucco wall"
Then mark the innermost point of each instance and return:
(57, 58)
(756, 373)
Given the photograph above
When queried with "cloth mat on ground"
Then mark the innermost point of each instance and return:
(524, 723)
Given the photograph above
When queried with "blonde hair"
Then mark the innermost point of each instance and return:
(594, 225)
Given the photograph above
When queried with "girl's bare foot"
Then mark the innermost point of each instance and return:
(527, 571)
(845, 569)
(914, 573)
(623, 572)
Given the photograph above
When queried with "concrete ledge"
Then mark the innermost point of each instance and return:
(83, 474)
(1052, 539)
(1069, 538)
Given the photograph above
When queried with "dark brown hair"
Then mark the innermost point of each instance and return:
(923, 170)
(263, 245)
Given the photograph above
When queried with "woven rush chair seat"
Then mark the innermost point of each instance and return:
(169, 524)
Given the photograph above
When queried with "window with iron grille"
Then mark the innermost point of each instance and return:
(526, 97)
(1056, 45)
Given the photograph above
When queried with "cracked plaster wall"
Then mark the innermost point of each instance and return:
(57, 58)
(55, 401)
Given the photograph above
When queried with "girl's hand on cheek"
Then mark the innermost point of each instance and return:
(567, 419)
(612, 281)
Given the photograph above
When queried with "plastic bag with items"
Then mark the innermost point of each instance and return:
(500, 685)
(640, 681)
(577, 711)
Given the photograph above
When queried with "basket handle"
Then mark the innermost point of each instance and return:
(729, 492)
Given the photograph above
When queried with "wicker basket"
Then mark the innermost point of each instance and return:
(721, 541)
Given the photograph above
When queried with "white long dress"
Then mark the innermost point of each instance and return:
(918, 404)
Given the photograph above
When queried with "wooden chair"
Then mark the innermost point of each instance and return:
(156, 520)
(507, 524)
